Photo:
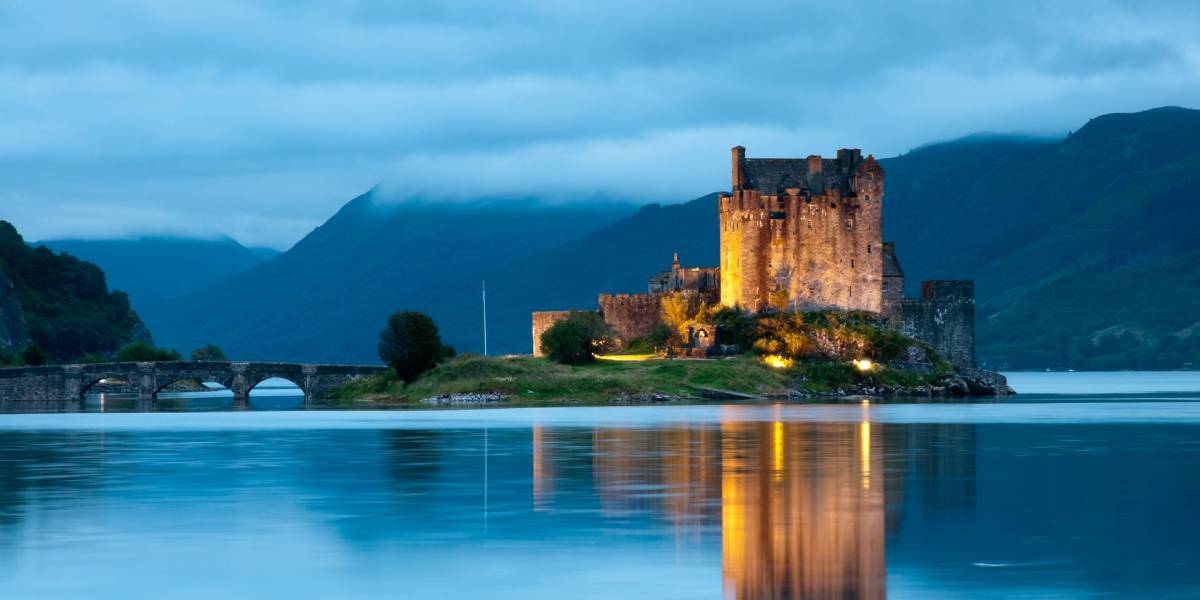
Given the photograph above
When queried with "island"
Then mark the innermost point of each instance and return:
(808, 302)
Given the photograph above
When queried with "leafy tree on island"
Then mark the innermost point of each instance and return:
(209, 352)
(576, 339)
(143, 352)
(410, 345)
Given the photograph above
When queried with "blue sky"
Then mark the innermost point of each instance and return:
(258, 120)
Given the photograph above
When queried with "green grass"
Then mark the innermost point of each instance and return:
(537, 381)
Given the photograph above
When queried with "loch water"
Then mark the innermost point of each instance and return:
(1084, 486)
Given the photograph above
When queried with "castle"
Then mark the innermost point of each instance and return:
(806, 233)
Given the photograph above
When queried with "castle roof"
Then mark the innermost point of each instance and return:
(774, 176)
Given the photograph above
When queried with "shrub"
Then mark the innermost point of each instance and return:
(575, 339)
(33, 356)
(410, 344)
(736, 328)
(659, 337)
(143, 352)
(209, 352)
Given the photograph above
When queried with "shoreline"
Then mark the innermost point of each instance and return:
(474, 381)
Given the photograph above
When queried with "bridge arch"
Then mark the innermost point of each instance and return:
(91, 380)
(161, 383)
(292, 379)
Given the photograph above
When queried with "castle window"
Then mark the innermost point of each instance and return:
(852, 263)
(868, 248)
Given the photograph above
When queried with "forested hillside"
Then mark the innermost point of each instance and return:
(1084, 249)
(66, 302)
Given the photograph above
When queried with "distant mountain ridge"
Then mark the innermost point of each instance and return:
(1085, 251)
(327, 298)
(156, 269)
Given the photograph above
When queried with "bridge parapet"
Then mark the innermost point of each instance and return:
(147, 379)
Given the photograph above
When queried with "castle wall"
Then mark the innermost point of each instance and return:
(631, 315)
(543, 320)
(893, 277)
(824, 248)
(943, 317)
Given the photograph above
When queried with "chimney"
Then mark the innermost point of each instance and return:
(849, 157)
(739, 155)
(814, 164)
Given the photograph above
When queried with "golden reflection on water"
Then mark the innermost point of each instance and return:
(799, 506)
(543, 475)
(814, 532)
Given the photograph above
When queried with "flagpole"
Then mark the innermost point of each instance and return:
(485, 345)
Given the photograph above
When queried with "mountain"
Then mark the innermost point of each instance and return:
(1084, 249)
(617, 258)
(64, 301)
(263, 253)
(153, 270)
(327, 298)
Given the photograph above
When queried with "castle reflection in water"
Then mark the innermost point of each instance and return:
(803, 510)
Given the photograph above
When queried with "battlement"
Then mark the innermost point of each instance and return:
(943, 317)
(948, 291)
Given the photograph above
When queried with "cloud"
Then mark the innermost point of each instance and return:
(258, 120)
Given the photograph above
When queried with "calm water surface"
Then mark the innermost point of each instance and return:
(1072, 496)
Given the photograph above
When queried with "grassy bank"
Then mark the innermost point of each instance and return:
(536, 381)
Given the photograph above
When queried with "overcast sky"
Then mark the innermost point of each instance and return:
(258, 120)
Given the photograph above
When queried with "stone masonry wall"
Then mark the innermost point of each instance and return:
(943, 317)
(631, 315)
(543, 320)
(824, 249)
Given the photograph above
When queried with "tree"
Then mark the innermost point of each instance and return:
(576, 339)
(209, 352)
(143, 352)
(410, 344)
(736, 327)
(678, 309)
(33, 356)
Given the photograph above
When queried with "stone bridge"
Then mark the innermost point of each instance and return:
(147, 379)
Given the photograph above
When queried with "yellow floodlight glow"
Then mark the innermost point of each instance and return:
(776, 361)
(864, 365)
(625, 357)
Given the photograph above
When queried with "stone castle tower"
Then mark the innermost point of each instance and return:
(808, 228)
(807, 231)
